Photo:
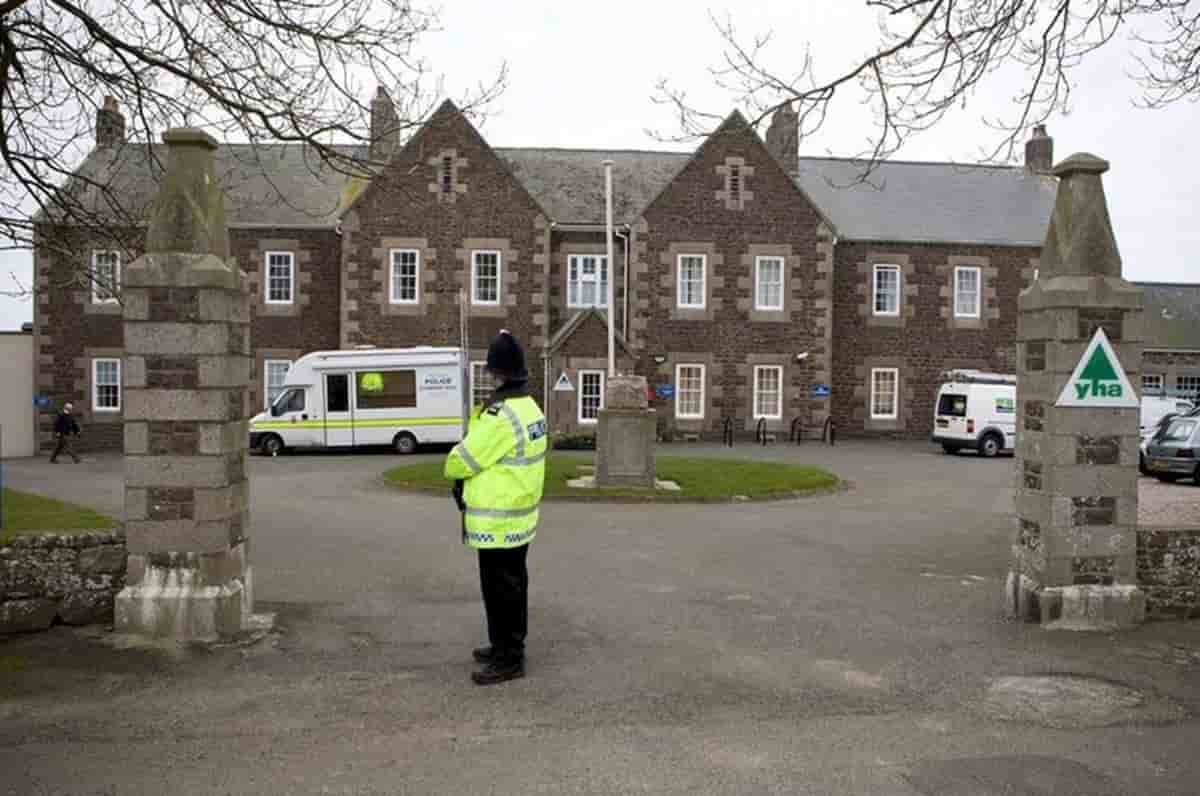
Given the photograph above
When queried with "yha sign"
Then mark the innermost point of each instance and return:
(1098, 379)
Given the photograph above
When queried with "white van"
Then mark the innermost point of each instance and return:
(976, 410)
(403, 397)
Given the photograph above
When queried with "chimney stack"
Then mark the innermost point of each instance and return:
(385, 126)
(783, 138)
(1039, 152)
(110, 124)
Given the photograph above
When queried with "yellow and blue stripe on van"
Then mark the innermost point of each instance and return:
(364, 423)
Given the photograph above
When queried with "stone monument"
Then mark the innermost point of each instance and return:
(1079, 345)
(625, 435)
(187, 365)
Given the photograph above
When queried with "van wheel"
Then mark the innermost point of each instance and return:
(405, 444)
(271, 445)
(950, 449)
(1142, 468)
(990, 445)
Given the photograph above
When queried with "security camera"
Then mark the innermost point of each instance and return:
(802, 356)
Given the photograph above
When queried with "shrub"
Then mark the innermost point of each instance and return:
(575, 442)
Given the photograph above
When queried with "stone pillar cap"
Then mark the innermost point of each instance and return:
(1081, 163)
(189, 136)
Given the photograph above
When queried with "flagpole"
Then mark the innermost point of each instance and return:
(610, 265)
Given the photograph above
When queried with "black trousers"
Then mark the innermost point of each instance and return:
(64, 445)
(504, 580)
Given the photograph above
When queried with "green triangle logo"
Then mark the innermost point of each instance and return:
(1098, 379)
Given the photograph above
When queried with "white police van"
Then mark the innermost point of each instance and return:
(402, 397)
(976, 410)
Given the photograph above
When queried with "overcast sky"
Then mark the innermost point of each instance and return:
(584, 76)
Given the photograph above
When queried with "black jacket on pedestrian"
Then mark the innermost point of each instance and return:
(65, 424)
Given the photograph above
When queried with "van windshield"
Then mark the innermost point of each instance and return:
(952, 405)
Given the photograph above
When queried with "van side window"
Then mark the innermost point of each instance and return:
(294, 401)
(337, 392)
(387, 389)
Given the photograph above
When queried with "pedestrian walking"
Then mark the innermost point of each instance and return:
(65, 428)
(499, 471)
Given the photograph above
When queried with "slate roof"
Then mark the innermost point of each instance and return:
(569, 183)
(901, 201)
(1172, 315)
(254, 178)
(930, 202)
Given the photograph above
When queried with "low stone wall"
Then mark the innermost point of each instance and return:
(71, 578)
(1168, 567)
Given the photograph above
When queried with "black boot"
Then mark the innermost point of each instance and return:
(483, 654)
(499, 671)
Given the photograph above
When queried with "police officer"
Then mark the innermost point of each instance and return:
(498, 471)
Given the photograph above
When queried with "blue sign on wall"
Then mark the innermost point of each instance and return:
(665, 391)
(41, 401)
(821, 391)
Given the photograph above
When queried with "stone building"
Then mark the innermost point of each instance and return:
(745, 277)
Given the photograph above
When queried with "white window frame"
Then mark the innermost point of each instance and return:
(703, 258)
(759, 303)
(778, 415)
(587, 421)
(475, 253)
(479, 376)
(267, 363)
(679, 389)
(1160, 389)
(1186, 393)
(975, 313)
(878, 269)
(291, 261)
(394, 282)
(96, 407)
(115, 285)
(895, 374)
(599, 279)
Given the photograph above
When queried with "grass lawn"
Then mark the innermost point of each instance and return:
(699, 478)
(26, 513)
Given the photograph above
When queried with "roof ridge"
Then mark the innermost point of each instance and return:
(889, 161)
(618, 150)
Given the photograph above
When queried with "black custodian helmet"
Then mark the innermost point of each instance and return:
(505, 355)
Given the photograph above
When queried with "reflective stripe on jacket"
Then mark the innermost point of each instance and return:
(503, 461)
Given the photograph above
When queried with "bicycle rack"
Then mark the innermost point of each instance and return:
(727, 432)
(760, 431)
(797, 431)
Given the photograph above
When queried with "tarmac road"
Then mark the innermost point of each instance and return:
(841, 644)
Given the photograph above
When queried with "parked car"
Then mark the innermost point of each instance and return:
(976, 410)
(1171, 454)
(1156, 414)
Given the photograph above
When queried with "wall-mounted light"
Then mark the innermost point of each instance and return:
(803, 355)
(659, 359)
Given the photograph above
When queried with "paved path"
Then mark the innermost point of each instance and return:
(832, 645)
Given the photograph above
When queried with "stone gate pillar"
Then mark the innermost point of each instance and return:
(1079, 351)
(186, 368)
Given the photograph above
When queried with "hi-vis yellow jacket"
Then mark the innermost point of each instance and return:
(503, 461)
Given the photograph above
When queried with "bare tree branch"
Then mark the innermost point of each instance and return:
(933, 55)
(262, 72)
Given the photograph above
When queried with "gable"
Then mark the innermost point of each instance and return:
(586, 334)
(447, 165)
(703, 191)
